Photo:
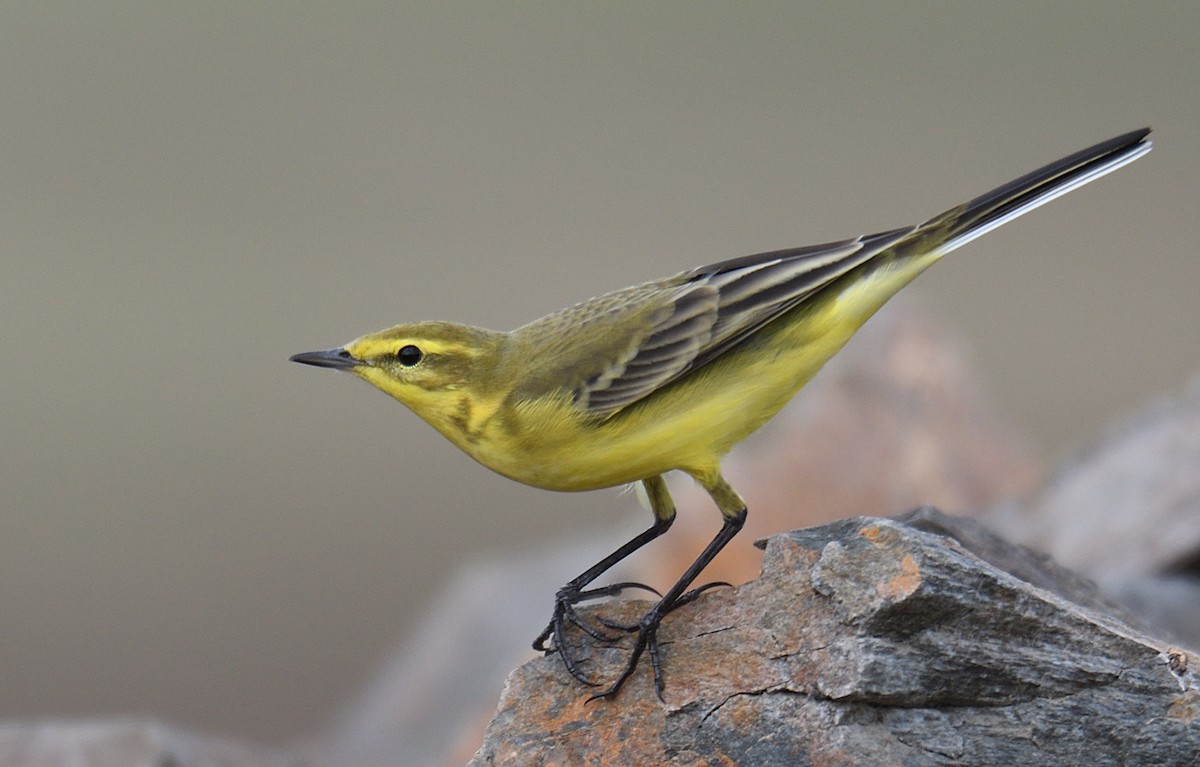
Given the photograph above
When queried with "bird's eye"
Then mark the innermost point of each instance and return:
(409, 356)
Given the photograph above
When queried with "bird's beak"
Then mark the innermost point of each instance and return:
(338, 359)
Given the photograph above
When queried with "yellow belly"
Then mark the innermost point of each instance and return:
(690, 424)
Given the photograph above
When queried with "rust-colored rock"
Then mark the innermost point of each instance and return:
(873, 641)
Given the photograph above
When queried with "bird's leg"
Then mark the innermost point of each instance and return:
(733, 509)
(575, 592)
(647, 628)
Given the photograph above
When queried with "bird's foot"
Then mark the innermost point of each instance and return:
(565, 613)
(647, 639)
(684, 598)
(646, 631)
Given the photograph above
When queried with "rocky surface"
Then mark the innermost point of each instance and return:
(873, 641)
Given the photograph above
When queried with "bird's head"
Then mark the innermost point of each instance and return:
(419, 364)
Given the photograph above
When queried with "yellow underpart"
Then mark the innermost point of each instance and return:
(690, 424)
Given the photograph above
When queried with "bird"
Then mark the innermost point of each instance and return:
(669, 375)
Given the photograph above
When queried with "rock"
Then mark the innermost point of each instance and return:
(1124, 512)
(872, 641)
(124, 744)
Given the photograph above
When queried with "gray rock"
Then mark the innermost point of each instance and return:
(880, 642)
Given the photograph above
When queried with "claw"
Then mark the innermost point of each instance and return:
(553, 639)
(626, 628)
(539, 642)
(690, 596)
(570, 614)
(647, 628)
(564, 607)
(616, 588)
(647, 638)
(560, 644)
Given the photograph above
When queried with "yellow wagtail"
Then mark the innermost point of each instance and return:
(671, 374)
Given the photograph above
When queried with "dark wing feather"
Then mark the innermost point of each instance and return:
(716, 306)
(663, 355)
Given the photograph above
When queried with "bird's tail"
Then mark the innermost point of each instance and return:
(958, 226)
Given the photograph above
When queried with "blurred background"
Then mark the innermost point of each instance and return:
(193, 528)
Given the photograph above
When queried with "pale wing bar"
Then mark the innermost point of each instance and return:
(663, 356)
(719, 305)
(752, 297)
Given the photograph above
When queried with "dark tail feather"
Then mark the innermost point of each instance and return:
(960, 225)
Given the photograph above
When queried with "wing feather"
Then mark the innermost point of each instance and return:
(661, 356)
(716, 306)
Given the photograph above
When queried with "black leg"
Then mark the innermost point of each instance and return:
(647, 628)
(574, 592)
